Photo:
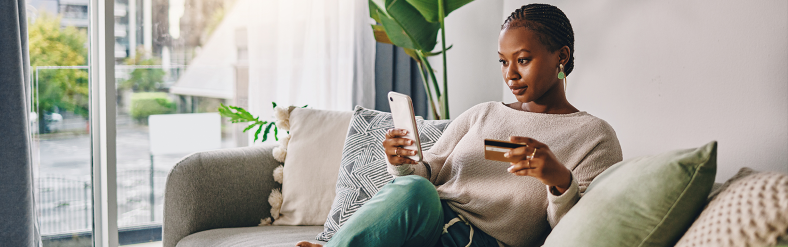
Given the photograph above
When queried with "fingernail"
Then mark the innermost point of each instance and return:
(509, 169)
(506, 154)
(404, 131)
(410, 142)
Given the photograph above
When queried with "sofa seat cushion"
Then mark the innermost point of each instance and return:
(252, 236)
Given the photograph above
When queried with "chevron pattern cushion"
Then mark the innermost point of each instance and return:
(363, 169)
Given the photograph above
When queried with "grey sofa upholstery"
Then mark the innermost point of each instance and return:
(217, 198)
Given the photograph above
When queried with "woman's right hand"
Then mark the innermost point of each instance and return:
(393, 146)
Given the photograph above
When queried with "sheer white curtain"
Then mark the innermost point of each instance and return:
(319, 53)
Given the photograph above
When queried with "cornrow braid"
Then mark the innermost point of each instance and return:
(551, 26)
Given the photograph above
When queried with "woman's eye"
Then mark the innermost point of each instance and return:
(522, 60)
(502, 61)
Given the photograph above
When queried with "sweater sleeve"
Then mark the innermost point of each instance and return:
(558, 205)
(435, 158)
(606, 153)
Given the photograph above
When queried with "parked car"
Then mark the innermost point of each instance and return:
(53, 122)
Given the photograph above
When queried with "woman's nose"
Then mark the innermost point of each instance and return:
(511, 74)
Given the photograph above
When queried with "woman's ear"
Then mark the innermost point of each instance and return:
(563, 55)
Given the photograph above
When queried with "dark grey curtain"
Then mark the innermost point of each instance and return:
(396, 71)
(17, 215)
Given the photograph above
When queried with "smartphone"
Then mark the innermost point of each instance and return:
(404, 118)
(494, 149)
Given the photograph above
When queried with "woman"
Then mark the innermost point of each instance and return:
(506, 204)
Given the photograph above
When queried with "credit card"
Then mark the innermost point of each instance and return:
(494, 149)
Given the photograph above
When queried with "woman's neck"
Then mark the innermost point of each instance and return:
(552, 102)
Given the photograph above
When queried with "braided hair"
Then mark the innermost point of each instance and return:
(551, 26)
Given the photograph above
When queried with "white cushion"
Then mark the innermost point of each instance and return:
(314, 153)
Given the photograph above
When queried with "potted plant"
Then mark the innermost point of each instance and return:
(414, 25)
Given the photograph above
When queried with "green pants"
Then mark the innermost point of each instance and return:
(408, 212)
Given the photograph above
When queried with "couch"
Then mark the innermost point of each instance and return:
(218, 198)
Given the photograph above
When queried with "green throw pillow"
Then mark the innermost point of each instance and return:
(647, 201)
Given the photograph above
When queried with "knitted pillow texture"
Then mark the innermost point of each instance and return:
(751, 211)
(746, 171)
(363, 169)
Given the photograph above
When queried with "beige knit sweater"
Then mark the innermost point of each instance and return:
(515, 210)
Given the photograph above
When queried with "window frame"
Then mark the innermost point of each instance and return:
(101, 62)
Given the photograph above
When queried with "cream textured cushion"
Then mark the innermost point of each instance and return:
(314, 153)
(751, 211)
(746, 171)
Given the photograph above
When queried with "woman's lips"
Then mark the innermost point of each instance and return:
(518, 91)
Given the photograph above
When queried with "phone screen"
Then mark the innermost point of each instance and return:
(404, 118)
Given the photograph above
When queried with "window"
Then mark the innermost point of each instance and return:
(153, 53)
(166, 107)
(158, 71)
(59, 121)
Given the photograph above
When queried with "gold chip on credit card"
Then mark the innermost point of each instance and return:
(494, 149)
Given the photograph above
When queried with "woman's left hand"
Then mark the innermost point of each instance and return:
(543, 165)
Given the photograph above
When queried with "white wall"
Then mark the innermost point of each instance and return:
(474, 73)
(665, 74)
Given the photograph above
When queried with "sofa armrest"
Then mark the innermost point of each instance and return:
(218, 189)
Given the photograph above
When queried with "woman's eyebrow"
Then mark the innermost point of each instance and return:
(521, 50)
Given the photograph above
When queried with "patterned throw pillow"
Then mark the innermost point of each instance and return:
(751, 211)
(363, 169)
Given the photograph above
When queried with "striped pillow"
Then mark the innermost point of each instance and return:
(363, 169)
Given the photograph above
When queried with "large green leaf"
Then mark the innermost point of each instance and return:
(412, 53)
(404, 24)
(429, 8)
(380, 34)
(373, 11)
